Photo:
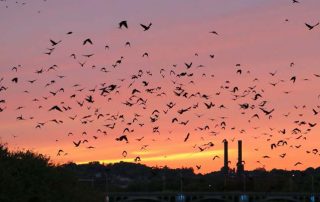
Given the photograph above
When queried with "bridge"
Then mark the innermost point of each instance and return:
(212, 197)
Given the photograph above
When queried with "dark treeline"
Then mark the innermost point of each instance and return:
(28, 176)
(129, 177)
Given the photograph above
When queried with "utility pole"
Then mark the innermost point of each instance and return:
(107, 187)
(180, 181)
(92, 182)
(312, 183)
(163, 182)
(244, 182)
(106, 175)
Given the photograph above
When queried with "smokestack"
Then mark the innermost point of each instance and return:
(225, 168)
(226, 154)
(240, 167)
(239, 151)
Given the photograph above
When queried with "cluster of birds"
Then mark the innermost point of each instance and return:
(13, 4)
(176, 101)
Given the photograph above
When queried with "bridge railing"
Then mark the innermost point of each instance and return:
(212, 196)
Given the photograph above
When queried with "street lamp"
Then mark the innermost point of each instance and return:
(291, 182)
(181, 186)
(312, 183)
(211, 187)
(163, 182)
(244, 182)
(107, 187)
(106, 176)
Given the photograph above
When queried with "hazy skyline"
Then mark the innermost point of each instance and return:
(254, 34)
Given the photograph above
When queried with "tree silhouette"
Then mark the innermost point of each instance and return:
(28, 176)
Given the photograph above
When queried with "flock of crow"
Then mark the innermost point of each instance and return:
(163, 99)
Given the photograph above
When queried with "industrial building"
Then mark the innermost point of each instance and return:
(240, 164)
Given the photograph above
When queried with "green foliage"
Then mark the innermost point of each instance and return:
(28, 176)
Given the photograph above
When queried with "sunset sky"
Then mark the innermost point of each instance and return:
(267, 41)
